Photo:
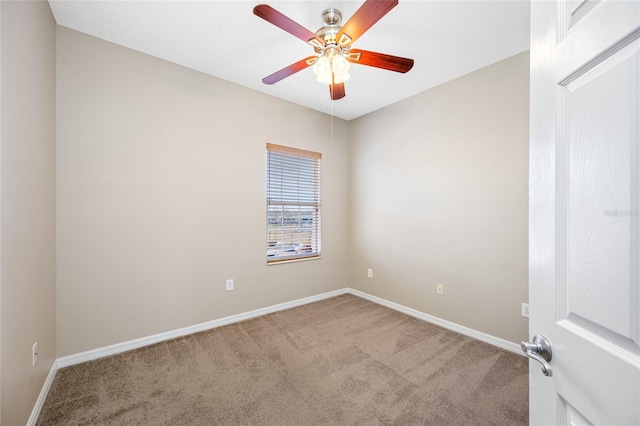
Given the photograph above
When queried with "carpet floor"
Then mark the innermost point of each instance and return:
(340, 361)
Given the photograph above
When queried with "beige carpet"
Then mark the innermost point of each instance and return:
(341, 361)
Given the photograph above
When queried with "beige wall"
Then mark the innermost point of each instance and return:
(439, 195)
(27, 230)
(161, 196)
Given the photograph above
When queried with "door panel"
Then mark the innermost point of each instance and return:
(584, 210)
(598, 109)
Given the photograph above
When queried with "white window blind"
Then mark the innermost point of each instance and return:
(293, 203)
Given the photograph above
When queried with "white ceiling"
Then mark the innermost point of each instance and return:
(447, 39)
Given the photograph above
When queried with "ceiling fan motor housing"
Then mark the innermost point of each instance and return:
(331, 18)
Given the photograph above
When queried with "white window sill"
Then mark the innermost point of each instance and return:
(304, 259)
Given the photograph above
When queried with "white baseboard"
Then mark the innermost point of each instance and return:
(487, 338)
(35, 413)
(161, 337)
(157, 338)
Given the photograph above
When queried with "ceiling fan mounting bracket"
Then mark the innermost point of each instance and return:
(331, 16)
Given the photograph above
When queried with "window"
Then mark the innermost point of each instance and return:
(293, 203)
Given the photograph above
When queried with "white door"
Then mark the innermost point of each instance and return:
(585, 210)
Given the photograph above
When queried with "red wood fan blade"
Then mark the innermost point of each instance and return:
(271, 15)
(369, 13)
(291, 69)
(380, 60)
(337, 91)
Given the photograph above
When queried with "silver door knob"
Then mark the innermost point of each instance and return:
(540, 350)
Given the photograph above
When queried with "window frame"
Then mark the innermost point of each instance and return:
(293, 202)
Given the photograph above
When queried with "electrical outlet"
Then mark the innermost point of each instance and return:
(370, 273)
(34, 354)
(440, 289)
(525, 310)
(230, 284)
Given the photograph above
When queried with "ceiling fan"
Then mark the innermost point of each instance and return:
(332, 44)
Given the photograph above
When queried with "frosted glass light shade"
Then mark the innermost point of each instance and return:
(340, 67)
(322, 70)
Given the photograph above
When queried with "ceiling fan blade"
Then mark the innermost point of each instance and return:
(291, 69)
(369, 13)
(271, 15)
(380, 60)
(336, 90)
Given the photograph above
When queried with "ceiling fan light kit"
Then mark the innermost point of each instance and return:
(332, 44)
(332, 67)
